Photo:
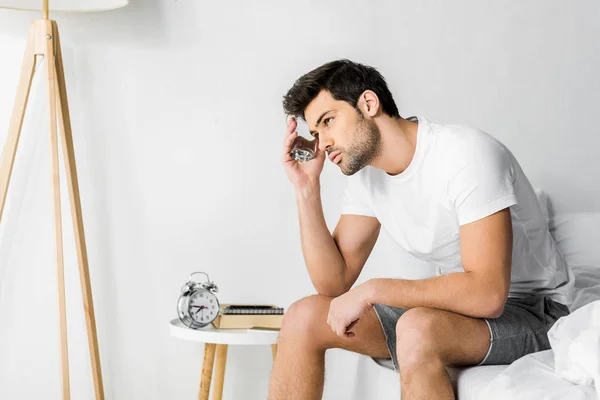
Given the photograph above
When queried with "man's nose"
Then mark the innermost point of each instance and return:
(324, 143)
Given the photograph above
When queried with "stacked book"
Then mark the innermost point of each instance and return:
(247, 316)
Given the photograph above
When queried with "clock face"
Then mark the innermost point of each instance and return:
(203, 306)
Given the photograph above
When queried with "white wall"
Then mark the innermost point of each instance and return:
(176, 111)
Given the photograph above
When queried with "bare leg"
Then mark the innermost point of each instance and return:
(427, 341)
(299, 369)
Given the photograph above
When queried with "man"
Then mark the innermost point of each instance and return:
(449, 194)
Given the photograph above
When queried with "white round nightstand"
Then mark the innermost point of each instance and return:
(216, 341)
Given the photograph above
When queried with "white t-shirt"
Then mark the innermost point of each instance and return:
(459, 175)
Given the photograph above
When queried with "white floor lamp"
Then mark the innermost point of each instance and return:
(44, 41)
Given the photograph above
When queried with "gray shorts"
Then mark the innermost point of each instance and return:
(521, 329)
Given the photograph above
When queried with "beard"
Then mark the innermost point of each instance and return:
(365, 148)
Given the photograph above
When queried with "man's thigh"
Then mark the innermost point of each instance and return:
(457, 339)
(460, 340)
(368, 338)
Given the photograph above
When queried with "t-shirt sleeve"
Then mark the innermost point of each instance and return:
(355, 199)
(481, 180)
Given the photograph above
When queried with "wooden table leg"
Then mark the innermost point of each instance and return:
(274, 351)
(207, 370)
(220, 371)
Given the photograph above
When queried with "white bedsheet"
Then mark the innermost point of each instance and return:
(575, 340)
(534, 377)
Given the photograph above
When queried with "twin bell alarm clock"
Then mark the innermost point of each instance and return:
(198, 306)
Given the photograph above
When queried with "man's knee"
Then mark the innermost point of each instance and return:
(416, 336)
(304, 318)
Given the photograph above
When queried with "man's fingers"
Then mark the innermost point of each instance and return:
(331, 321)
(290, 132)
(351, 325)
(285, 158)
(336, 327)
(287, 147)
(289, 139)
(291, 126)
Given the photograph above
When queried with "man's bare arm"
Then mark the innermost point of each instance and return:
(355, 237)
(480, 291)
(334, 261)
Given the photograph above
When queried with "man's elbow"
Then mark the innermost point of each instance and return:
(494, 306)
(330, 290)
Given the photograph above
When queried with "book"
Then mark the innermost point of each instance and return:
(253, 309)
(248, 316)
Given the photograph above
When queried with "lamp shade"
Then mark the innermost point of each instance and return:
(64, 5)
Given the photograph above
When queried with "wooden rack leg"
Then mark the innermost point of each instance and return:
(220, 371)
(60, 267)
(16, 121)
(76, 213)
(207, 370)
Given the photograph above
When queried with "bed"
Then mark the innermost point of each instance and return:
(534, 376)
(571, 369)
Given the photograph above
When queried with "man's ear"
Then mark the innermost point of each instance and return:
(368, 102)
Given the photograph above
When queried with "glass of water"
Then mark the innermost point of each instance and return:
(302, 148)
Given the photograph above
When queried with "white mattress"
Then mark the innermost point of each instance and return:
(468, 382)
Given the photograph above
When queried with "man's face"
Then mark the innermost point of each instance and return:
(343, 132)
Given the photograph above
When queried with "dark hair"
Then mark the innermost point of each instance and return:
(345, 80)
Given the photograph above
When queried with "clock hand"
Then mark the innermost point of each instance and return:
(201, 308)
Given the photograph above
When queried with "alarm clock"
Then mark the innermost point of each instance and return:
(198, 306)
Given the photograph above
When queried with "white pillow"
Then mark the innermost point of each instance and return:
(578, 237)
